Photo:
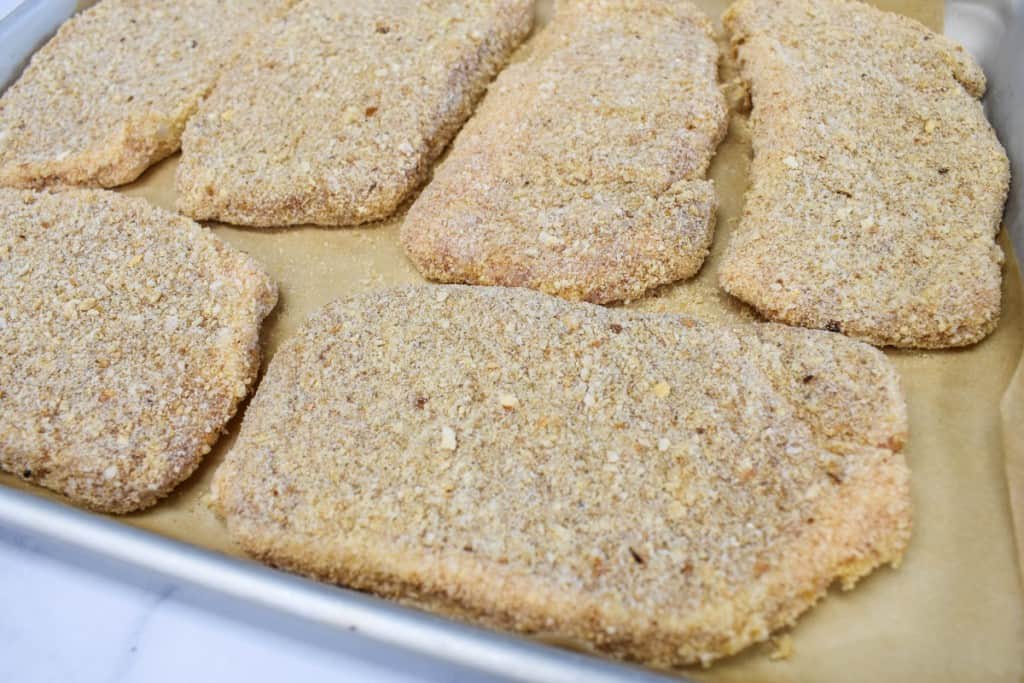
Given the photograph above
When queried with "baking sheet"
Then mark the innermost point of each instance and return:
(953, 611)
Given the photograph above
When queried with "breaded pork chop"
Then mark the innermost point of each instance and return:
(877, 183)
(128, 335)
(338, 112)
(109, 95)
(582, 174)
(666, 490)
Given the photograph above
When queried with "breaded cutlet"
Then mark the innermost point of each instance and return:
(662, 489)
(583, 173)
(109, 95)
(877, 184)
(128, 336)
(337, 113)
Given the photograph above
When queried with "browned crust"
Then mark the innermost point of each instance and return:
(360, 512)
(877, 183)
(128, 336)
(582, 173)
(338, 112)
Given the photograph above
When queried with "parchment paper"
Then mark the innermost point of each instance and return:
(954, 611)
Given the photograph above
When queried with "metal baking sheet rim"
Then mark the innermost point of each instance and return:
(989, 29)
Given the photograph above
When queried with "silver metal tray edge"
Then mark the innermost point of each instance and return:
(78, 536)
(70, 529)
(991, 29)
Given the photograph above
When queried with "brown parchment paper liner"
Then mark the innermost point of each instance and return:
(1013, 446)
(954, 611)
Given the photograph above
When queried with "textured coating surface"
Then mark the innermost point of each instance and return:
(109, 95)
(336, 115)
(582, 174)
(665, 490)
(877, 184)
(128, 335)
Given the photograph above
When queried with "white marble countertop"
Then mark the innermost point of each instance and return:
(64, 622)
(67, 622)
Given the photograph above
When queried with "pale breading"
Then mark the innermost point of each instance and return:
(109, 95)
(128, 335)
(582, 174)
(665, 490)
(877, 183)
(337, 114)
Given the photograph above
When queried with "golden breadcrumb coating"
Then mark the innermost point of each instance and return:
(128, 335)
(877, 184)
(336, 115)
(666, 490)
(109, 95)
(582, 175)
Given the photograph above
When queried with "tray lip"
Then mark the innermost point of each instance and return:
(322, 604)
(331, 607)
(71, 530)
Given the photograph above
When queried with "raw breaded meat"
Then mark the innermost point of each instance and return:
(665, 490)
(128, 335)
(582, 175)
(877, 183)
(109, 95)
(337, 114)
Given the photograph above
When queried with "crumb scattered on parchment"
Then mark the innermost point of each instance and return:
(783, 645)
